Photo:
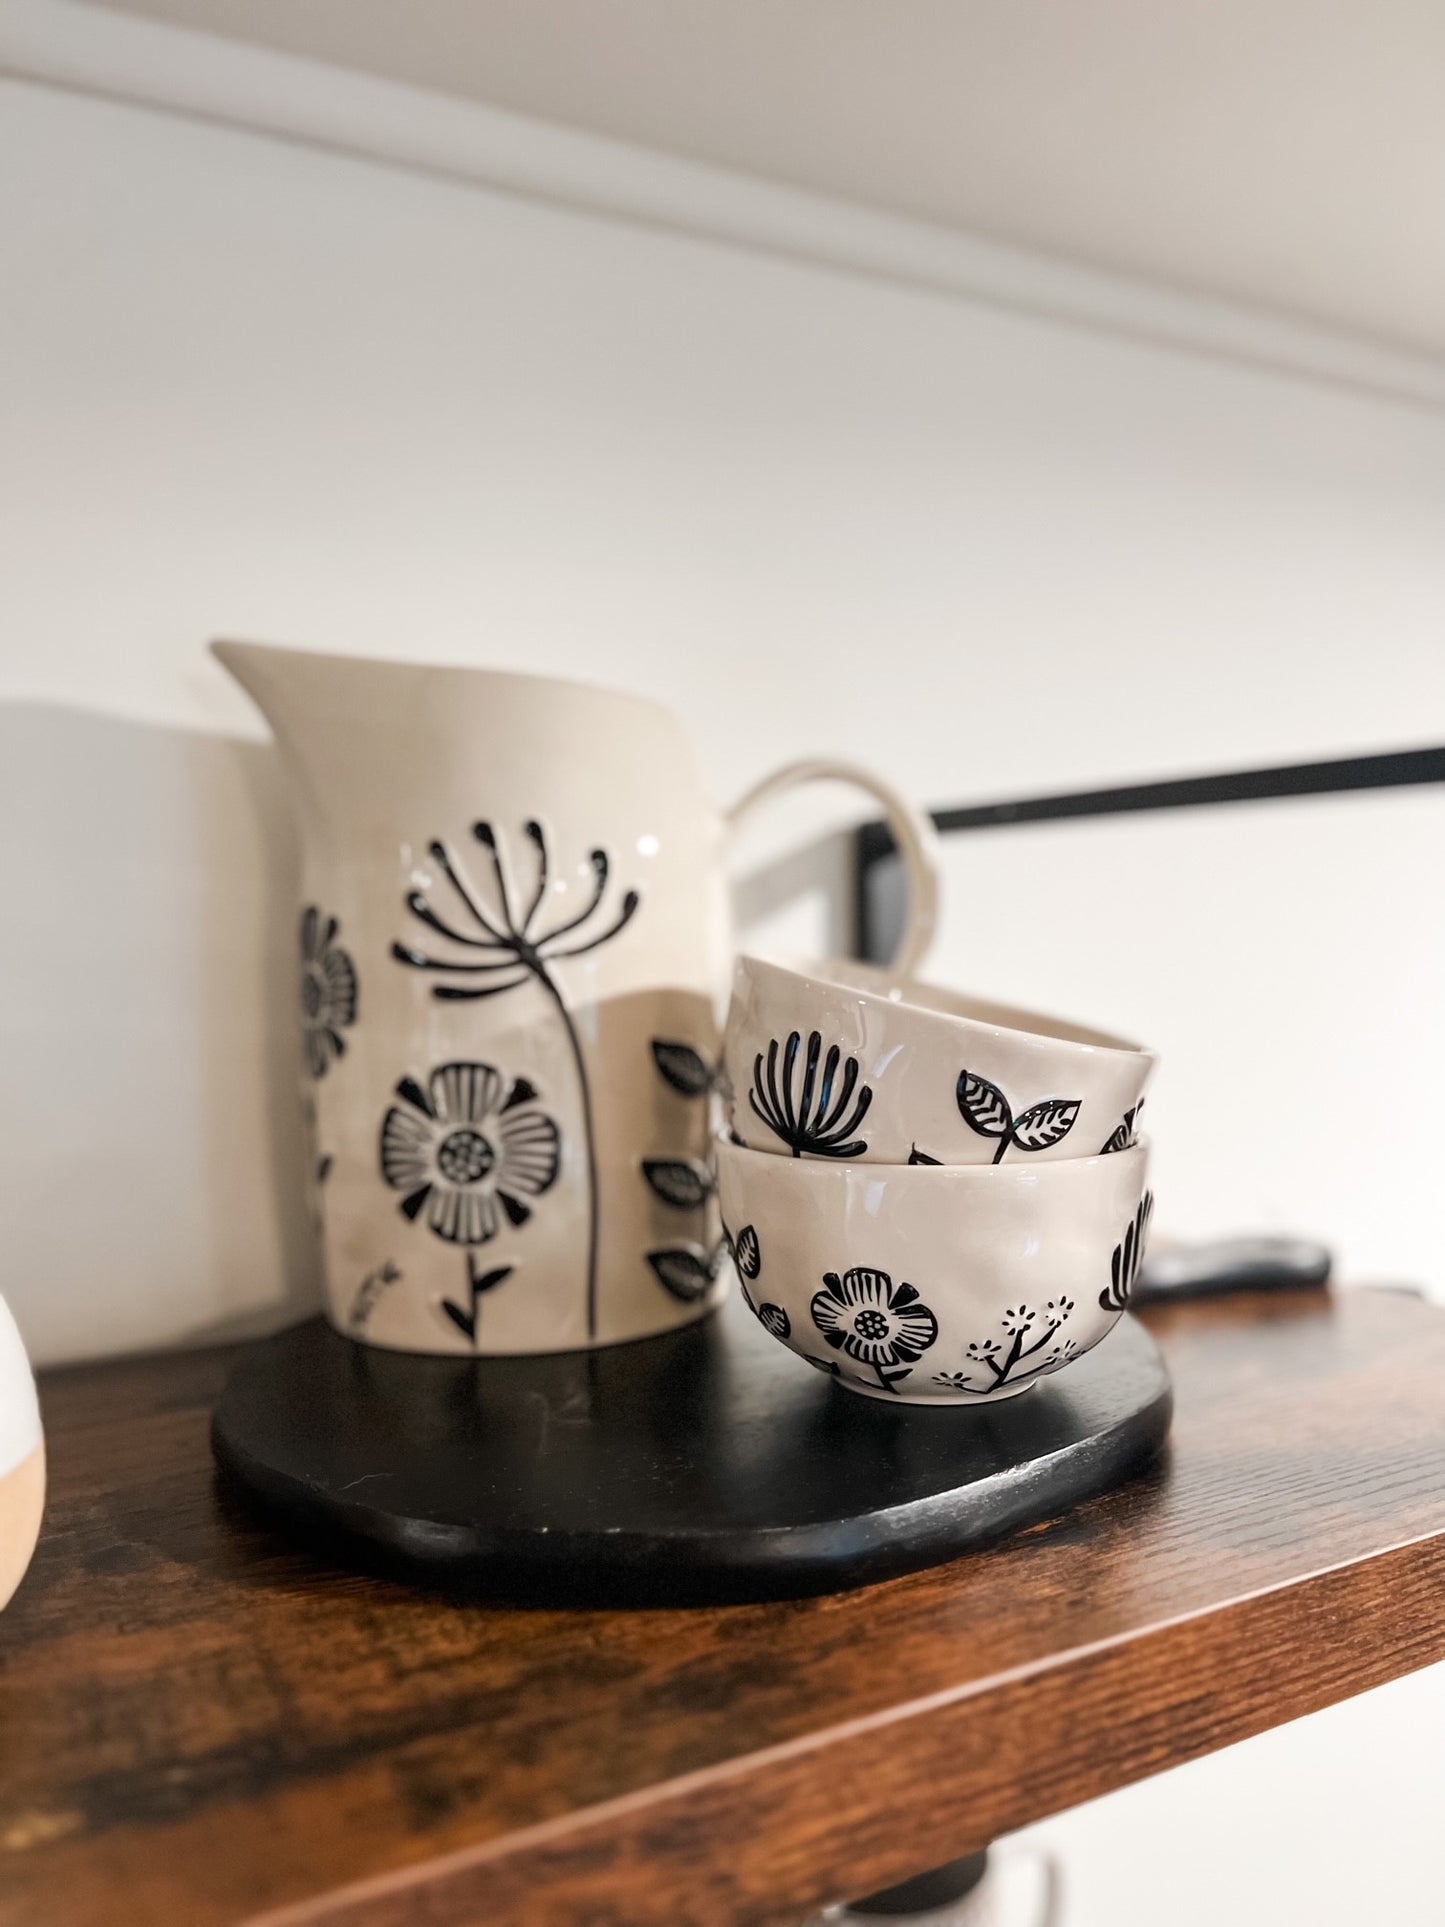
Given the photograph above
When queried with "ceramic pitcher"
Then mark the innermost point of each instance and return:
(513, 947)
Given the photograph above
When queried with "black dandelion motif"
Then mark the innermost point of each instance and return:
(502, 946)
(814, 1111)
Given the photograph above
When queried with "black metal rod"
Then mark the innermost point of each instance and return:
(1390, 769)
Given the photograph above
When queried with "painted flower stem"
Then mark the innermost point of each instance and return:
(1018, 1352)
(589, 1137)
(516, 952)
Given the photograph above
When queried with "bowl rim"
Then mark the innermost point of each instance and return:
(837, 1170)
(879, 986)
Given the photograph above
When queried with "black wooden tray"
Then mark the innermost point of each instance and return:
(704, 1466)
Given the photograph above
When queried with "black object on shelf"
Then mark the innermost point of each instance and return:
(703, 1466)
(878, 886)
(925, 1892)
(1205, 1270)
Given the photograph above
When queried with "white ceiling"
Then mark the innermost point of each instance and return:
(1285, 153)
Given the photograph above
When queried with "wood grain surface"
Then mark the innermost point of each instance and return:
(200, 1722)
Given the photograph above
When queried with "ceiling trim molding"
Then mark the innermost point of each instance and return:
(93, 50)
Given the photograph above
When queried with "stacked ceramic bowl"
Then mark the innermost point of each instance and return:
(931, 1198)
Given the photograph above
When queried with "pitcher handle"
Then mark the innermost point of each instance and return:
(913, 832)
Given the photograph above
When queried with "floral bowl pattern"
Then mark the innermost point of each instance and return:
(849, 1061)
(936, 1285)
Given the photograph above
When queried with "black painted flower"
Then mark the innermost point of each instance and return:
(873, 1320)
(467, 1149)
(774, 1319)
(328, 991)
(493, 944)
(813, 1114)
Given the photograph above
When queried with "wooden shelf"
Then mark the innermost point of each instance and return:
(201, 1723)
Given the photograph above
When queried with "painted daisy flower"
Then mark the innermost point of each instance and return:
(873, 1320)
(328, 991)
(467, 1150)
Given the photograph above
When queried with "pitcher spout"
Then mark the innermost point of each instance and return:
(286, 685)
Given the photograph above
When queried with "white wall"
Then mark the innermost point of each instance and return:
(258, 390)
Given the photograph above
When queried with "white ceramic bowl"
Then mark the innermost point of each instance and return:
(960, 1285)
(22, 1459)
(844, 1060)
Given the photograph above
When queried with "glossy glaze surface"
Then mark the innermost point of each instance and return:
(848, 1061)
(948, 1285)
(512, 947)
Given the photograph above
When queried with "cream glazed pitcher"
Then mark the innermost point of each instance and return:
(513, 946)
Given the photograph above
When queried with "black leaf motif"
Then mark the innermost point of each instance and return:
(985, 1109)
(678, 1182)
(372, 1288)
(685, 1069)
(1122, 1135)
(464, 1321)
(747, 1252)
(1044, 1124)
(479, 1282)
(915, 1156)
(489, 1280)
(684, 1273)
(774, 1319)
(983, 1106)
(1127, 1258)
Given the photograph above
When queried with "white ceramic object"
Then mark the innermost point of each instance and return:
(512, 950)
(22, 1459)
(958, 1285)
(848, 1060)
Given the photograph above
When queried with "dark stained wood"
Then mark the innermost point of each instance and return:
(200, 1723)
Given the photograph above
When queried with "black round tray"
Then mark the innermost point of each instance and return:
(707, 1465)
